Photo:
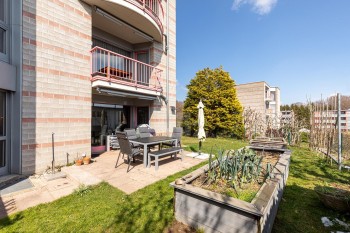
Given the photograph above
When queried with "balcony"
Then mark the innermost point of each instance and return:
(127, 19)
(269, 98)
(115, 71)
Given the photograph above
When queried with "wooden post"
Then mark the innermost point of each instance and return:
(339, 133)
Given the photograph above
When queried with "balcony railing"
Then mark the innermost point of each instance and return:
(153, 8)
(116, 68)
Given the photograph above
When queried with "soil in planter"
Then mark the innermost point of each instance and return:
(247, 191)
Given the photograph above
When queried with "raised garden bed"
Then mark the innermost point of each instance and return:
(210, 208)
(261, 143)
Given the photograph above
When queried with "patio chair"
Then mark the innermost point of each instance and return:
(131, 133)
(177, 133)
(146, 133)
(126, 148)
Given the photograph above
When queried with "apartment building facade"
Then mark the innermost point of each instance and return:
(328, 119)
(287, 117)
(263, 99)
(76, 69)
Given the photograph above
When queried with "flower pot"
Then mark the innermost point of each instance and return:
(86, 160)
(78, 162)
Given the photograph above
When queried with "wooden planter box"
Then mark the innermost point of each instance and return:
(215, 212)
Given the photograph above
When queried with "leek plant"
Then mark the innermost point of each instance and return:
(237, 167)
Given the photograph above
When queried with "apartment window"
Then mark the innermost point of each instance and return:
(4, 30)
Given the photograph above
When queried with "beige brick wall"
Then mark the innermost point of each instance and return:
(158, 118)
(56, 81)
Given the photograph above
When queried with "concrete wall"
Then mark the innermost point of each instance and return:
(252, 95)
(56, 81)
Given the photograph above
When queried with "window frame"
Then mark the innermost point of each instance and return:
(4, 25)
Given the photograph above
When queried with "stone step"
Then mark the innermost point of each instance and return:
(7, 179)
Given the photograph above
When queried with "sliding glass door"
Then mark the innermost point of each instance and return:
(3, 154)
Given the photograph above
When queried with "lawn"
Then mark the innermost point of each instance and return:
(103, 208)
(211, 144)
(300, 209)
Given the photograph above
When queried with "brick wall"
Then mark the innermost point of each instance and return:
(56, 81)
(158, 118)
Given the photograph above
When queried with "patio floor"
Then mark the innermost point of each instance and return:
(103, 169)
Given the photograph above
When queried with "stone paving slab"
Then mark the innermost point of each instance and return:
(103, 168)
(43, 191)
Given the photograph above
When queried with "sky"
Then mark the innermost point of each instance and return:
(300, 46)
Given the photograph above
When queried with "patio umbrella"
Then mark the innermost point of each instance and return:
(201, 132)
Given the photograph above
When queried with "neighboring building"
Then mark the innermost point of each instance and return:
(287, 117)
(78, 69)
(262, 98)
(328, 119)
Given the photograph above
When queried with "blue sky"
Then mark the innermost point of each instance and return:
(301, 46)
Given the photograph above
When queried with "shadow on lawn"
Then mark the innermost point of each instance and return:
(141, 213)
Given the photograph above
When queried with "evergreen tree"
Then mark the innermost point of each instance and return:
(223, 111)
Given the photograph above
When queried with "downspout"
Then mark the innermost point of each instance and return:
(167, 68)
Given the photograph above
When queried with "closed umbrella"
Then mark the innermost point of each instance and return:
(201, 132)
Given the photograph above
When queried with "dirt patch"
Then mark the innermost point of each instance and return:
(178, 227)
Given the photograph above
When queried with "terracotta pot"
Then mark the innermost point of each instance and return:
(78, 162)
(87, 160)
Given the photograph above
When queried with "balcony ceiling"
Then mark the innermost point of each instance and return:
(128, 13)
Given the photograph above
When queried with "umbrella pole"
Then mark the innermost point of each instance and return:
(200, 147)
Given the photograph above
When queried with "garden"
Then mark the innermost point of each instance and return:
(103, 208)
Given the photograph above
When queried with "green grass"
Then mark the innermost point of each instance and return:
(215, 144)
(300, 209)
(103, 208)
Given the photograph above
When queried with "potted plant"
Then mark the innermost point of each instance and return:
(237, 191)
(78, 161)
(86, 160)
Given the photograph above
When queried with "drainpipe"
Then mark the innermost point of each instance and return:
(167, 68)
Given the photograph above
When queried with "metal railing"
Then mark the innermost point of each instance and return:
(113, 67)
(153, 8)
